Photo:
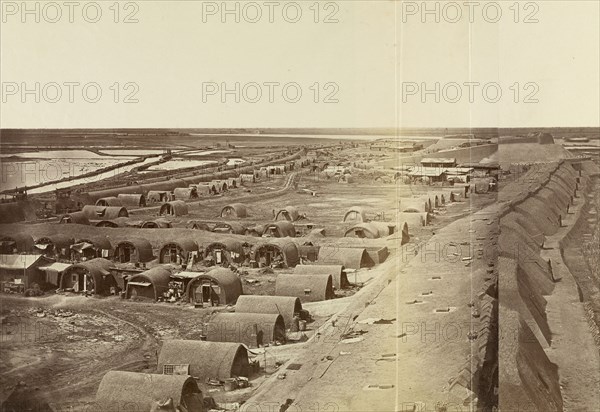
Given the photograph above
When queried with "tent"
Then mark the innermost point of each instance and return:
(158, 196)
(197, 225)
(132, 199)
(109, 201)
(308, 288)
(177, 252)
(89, 276)
(174, 208)
(279, 229)
(355, 214)
(235, 210)
(203, 360)
(225, 252)
(16, 243)
(276, 254)
(55, 245)
(151, 284)
(370, 230)
(185, 193)
(75, 217)
(133, 250)
(132, 391)
(156, 224)
(218, 286)
(90, 248)
(350, 258)
(286, 306)
(340, 280)
(104, 212)
(251, 329)
(415, 205)
(288, 213)
(229, 227)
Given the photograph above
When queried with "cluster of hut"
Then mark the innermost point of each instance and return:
(184, 188)
(222, 357)
(97, 265)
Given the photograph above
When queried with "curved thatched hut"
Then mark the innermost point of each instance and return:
(90, 248)
(234, 210)
(370, 230)
(165, 185)
(247, 178)
(225, 252)
(220, 185)
(133, 250)
(355, 214)
(132, 391)
(151, 284)
(204, 360)
(92, 276)
(415, 205)
(174, 208)
(350, 258)
(197, 225)
(16, 243)
(286, 306)
(118, 222)
(276, 254)
(288, 213)
(216, 287)
(109, 201)
(232, 182)
(307, 288)
(157, 196)
(177, 252)
(156, 224)
(206, 189)
(104, 212)
(78, 218)
(185, 193)
(279, 229)
(132, 199)
(233, 228)
(255, 230)
(54, 245)
(251, 329)
(337, 273)
(92, 197)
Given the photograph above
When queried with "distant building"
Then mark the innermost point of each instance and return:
(438, 162)
(431, 174)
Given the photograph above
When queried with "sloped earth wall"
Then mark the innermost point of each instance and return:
(528, 380)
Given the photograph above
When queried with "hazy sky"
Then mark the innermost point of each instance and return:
(371, 60)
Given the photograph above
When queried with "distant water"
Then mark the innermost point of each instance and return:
(133, 152)
(35, 168)
(179, 164)
(59, 154)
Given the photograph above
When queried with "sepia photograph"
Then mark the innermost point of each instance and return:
(300, 206)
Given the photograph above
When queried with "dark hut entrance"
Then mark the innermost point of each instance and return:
(206, 292)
